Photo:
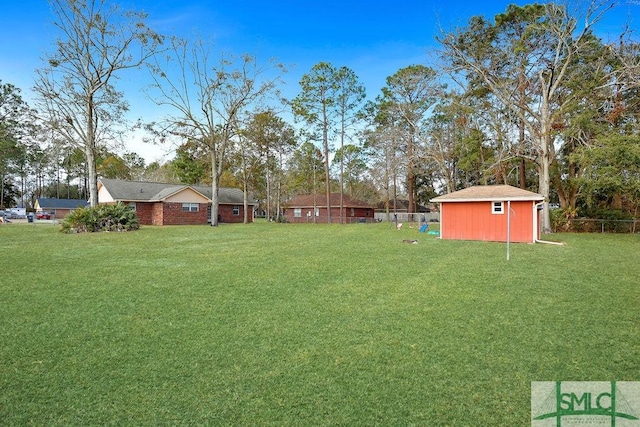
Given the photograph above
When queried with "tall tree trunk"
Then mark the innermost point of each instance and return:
(215, 180)
(387, 167)
(279, 186)
(245, 203)
(521, 131)
(2, 190)
(544, 177)
(215, 202)
(325, 140)
(342, 172)
(411, 179)
(90, 152)
(93, 176)
(523, 173)
(268, 190)
(545, 145)
(245, 195)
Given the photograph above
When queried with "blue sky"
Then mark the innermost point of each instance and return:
(372, 37)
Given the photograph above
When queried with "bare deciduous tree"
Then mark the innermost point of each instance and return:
(207, 98)
(75, 89)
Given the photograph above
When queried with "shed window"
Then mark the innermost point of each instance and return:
(497, 207)
(297, 212)
(236, 210)
(190, 207)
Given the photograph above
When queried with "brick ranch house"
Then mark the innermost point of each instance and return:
(58, 208)
(490, 213)
(301, 209)
(174, 204)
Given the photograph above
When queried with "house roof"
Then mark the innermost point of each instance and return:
(47, 203)
(140, 191)
(226, 195)
(483, 193)
(320, 200)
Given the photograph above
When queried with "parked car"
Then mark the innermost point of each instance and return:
(11, 214)
(43, 215)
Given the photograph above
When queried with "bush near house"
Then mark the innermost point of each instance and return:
(118, 217)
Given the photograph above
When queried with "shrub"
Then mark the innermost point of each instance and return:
(116, 217)
(561, 219)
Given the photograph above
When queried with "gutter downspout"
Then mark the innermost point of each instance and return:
(440, 219)
(537, 228)
(536, 225)
(508, 227)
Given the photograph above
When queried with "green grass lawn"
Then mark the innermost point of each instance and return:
(281, 324)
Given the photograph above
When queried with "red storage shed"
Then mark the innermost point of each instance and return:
(490, 213)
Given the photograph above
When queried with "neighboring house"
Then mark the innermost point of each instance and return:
(490, 213)
(304, 208)
(58, 208)
(174, 204)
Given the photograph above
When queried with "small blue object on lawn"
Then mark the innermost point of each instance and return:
(424, 227)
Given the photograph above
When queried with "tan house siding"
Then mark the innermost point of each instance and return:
(104, 196)
(187, 195)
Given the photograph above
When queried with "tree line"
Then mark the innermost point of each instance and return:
(532, 97)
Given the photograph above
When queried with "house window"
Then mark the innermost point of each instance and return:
(132, 206)
(317, 211)
(353, 212)
(190, 207)
(497, 207)
(297, 212)
(236, 210)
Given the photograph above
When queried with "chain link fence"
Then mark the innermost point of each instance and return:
(404, 217)
(590, 225)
